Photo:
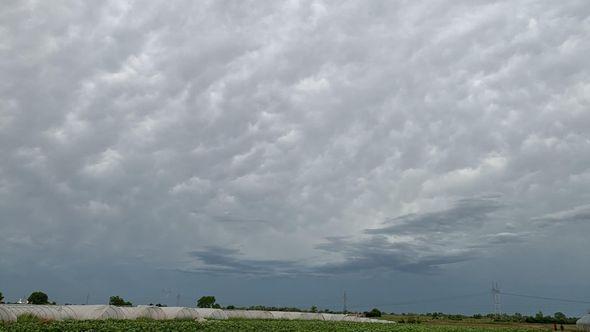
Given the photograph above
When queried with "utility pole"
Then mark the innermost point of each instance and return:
(496, 298)
(344, 309)
(87, 298)
(178, 300)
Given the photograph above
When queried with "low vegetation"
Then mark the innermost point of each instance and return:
(538, 318)
(234, 325)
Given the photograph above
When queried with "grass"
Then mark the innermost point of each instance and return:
(248, 325)
(476, 323)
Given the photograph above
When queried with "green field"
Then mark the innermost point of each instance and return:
(239, 325)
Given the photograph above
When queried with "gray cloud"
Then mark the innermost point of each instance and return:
(229, 261)
(417, 243)
(567, 217)
(146, 132)
(465, 214)
(424, 242)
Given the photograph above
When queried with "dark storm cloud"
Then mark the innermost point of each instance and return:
(466, 213)
(428, 242)
(422, 243)
(230, 261)
(381, 255)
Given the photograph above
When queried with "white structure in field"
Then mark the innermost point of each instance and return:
(211, 313)
(11, 312)
(94, 312)
(6, 315)
(143, 312)
(53, 312)
(583, 323)
(181, 313)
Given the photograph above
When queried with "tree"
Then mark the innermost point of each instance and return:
(373, 313)
(313, 308)
(38, 298)
(560, 317)
(1, 298)
(206, 302)
(119, 302)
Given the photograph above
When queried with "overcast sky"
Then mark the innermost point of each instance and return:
(282, 152)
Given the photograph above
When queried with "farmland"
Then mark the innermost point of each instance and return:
(246, 325)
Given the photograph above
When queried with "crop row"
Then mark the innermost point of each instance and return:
(230, 325)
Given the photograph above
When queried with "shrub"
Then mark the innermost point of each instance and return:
(119, 302)
(206, 302)
(38, 298)
(373, 313)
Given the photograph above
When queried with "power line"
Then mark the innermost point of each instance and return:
(437, 299)
(496, 292)
(545, 298)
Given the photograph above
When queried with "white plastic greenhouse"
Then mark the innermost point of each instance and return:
(333, 317)
(211, 313)
(583, 323)
(53, 312)
(288, 315)
(248, 314)
(180, 313)
(11, 312)
(297, 315)
(310, 316)
(6, 315)
(96, 312)
(143, 312)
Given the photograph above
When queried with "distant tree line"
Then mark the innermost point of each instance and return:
(272, 308)
(539, 317)
(36, 297)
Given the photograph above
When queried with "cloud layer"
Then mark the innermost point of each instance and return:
(301, 136)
